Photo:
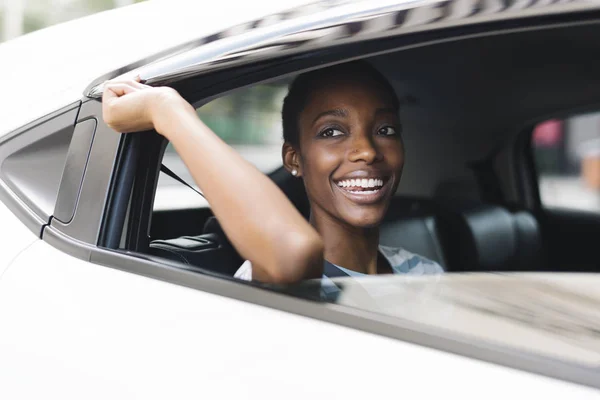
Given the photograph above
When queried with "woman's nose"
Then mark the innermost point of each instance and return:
(364, 149)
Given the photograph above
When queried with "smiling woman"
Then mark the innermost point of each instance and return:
(341, 124)
(342, 138)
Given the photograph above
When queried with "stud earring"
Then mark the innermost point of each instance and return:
(294, 172)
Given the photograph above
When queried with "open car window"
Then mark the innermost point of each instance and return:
(249, 120)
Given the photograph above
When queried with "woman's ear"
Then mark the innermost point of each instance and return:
(291, 159)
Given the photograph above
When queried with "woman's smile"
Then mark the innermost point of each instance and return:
(363, 187)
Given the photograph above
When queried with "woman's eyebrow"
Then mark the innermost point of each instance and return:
(336, 112)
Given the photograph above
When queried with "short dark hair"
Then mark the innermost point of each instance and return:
(302, 86)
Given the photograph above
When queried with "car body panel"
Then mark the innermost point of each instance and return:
(82, 330)
(14, 238)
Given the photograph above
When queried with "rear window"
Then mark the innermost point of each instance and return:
(567, 158)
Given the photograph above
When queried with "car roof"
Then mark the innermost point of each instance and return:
(54, 67)
(50, 68)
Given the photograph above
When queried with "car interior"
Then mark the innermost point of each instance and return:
(469, 198)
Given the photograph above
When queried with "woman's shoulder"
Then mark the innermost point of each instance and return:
(403, 261)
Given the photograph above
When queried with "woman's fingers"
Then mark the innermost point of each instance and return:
(135, 82)
(120, 88)
(130, 106)
(125, 106)
(114, 105)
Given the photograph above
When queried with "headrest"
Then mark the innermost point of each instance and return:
(530, 254)
(491, 238)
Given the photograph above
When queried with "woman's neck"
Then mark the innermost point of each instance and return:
(348, 246)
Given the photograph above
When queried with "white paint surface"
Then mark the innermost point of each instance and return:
(14, 238)
(72, 330)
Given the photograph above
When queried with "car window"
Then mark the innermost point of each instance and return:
(249, 120)
(567, 157)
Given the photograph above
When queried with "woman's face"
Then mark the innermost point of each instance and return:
(351, 153)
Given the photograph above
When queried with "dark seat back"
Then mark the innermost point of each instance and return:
(490, 238)
(459, 237)
(210, 251)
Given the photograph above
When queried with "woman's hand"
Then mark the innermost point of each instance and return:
(130, 106)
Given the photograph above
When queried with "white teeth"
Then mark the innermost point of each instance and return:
(362, 183)
(364, 191)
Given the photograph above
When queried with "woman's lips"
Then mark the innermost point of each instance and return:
(364, 194)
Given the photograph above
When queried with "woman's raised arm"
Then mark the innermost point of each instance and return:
(260, 221)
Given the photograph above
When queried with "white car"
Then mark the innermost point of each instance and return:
(116, 285)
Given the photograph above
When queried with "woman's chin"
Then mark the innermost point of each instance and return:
(365, 220)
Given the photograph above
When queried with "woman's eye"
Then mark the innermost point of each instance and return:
(386, 131)
(331, 132)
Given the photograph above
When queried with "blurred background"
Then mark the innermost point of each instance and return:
(18, 17)
(567, 157)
